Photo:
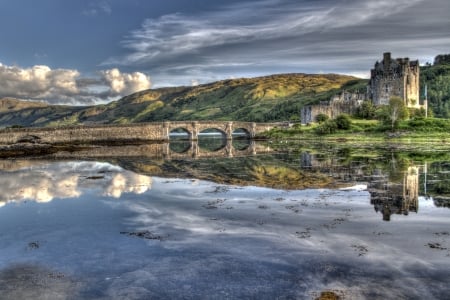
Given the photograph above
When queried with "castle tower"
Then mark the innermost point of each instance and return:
(395, 77)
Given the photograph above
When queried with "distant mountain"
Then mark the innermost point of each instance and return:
(269, 98)
(12, 104)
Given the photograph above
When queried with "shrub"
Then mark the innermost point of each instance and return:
(326, 127)
(343, 122)
(320, 118)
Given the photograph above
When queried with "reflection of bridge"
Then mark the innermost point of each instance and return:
(165, 151)
(158, 131)
(196, 151)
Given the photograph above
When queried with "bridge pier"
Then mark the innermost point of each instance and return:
(194, 132)
(194, 149)
(253, 130)
(229, 148)
(165, 131)
(166, 150)
(229, 130)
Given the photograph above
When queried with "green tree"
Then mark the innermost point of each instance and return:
(392, 113)
(366, 110)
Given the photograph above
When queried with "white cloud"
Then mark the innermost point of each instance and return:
(37, 82)
(67, 86)
(96, 8)
(125, 83)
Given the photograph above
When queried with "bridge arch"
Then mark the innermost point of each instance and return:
(241, 133)
(212, 132)
(212, 141)
(180, 146)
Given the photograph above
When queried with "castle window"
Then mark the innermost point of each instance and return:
(387, 88)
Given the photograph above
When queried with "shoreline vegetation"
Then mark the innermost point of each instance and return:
(415, 130)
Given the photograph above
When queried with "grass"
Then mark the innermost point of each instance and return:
(414, 130)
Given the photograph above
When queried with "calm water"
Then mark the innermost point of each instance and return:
(128, 223)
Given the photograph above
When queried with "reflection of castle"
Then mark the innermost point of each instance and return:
(395, 198)
(388, 197)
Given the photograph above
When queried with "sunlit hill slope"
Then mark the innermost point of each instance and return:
(269, 98)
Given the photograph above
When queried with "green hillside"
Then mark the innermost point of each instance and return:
(437, 79)
(269, 98)
(15, 112)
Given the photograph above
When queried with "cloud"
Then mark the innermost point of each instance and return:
(125, 83)
(67, 86)
(177, 34)
(37, 82)
(96, 8)
(272, 36)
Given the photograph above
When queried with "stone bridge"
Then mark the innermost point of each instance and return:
(225, 127)
(140, 132)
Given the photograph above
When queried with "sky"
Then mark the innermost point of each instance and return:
(95, 51)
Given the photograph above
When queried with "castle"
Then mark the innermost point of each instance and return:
(395, 77)
(390, 77)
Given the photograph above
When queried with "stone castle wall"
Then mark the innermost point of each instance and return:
(345, 103)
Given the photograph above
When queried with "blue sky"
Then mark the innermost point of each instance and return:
(93, 51)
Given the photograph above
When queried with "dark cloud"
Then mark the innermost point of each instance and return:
(282, 35)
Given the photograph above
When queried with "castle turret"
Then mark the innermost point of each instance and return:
(387, 60)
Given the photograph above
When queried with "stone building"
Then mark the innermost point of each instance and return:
(395, 77)
(344, 103)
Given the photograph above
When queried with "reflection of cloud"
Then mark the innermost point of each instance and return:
(343, 245)
(37, 185)
(45, 182)
(135, 183)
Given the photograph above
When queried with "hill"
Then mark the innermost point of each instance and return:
(11, 104)
(437, 79)
(269, 98)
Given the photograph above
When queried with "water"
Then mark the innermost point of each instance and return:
(295, 224)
